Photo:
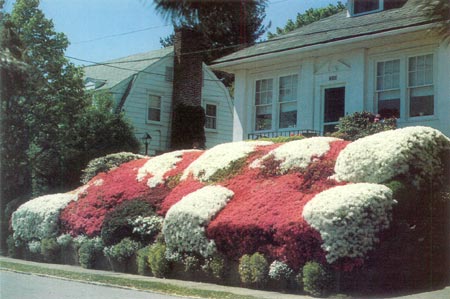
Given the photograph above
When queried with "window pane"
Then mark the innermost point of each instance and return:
(210, 122)
(288, 115)
(420, 70)
(263, 118)
(154, 114)
(154, 108)
(361, 6)
(155, 102)
(263, 92)
(288, 88)
(421, 101)
(211, 110)
(388, 75)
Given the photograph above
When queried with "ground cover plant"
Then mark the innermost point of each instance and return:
(268, 210)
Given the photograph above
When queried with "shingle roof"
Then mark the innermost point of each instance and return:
(335, 28)
(116, 71)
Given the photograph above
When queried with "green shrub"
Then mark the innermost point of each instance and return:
(361, 124)
(50, 249)
(106, 163)
(253, 269)
(157, 260)
(13, 248)
(122, 251)
(215, 265)
(232, 170)
(317, 279)
(283, 139)
(191, 263)
(88, 252)
(143, 267)
(116, 224)
(64, 240)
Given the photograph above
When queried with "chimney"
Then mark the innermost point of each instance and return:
(188, 117)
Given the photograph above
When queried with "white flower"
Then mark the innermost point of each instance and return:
(185, 222)
(413, 151)
(298, 154)
(220, 157)
(349, 217)
(159, 165)
(34, 246)
(279, 270)
(38, 218)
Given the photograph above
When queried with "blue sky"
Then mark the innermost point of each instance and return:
(99, 30)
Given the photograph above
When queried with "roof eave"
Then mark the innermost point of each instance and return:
(230, 65)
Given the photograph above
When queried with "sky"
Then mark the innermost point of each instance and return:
(101, 30)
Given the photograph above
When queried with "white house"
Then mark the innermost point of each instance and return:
(142, 87)
(378, 56)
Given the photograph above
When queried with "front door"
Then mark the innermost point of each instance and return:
(334, 108)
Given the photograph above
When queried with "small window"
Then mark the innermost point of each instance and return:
(211, 116)
(366, 6)
(388, 88)
(263, 104)
(288, 101)
(420, 84)
(169, 73)
(154, 108)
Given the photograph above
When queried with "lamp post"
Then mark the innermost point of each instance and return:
(146, 140)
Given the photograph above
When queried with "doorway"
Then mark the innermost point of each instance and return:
(334, 108)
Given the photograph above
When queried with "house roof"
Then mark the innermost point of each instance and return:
(110, 73)
(336, 28)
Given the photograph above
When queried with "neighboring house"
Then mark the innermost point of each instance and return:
(378, 56)
(142, 88)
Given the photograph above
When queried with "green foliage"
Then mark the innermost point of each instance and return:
(439, 11)
(361, 124)
(253, 269)
(50, 249)
(116, 224)
(13, 249)
(88, 252)
(143, 267)
(283, 139)
(317, 279)
(215, 265)
(188, 127)
(105, 164)
(233, 169)
(157, 261)
(123, 250)
(191, 263)
(309, 16)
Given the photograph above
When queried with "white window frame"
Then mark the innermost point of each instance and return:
(379, 91)
(426, 85)
(404, 84)
(148, 120)
(351, 8)
(213, 117)
(275, 105)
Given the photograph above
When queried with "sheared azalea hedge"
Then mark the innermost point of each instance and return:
(317, 199)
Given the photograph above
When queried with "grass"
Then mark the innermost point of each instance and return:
(144, 285)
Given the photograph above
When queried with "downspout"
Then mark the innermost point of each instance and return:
(125, 95)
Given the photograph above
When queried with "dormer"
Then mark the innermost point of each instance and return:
(364, 7)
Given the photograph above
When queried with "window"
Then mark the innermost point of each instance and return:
(211, 116)
(169, 74)
(287, 99)
(388, 88)
(420, 85)
(406, 82)
(359, 7)
(263, 104)
(154, 108)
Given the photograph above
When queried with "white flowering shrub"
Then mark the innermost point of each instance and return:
(220, 157)
(64, 240)
(34, 246)
(146, 226)
(159, 165)
(38, 218)
(349, 217)
(279, 270)
(184, 225)
(297, 154)
(414, 152)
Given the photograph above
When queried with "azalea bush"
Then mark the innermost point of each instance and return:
(184, 224)
(38, 218)
(280, 271)
(413, 152)
(157, 260)
(106, 163)
(122, 251)
(349, 218)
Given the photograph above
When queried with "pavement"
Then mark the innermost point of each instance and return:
(437, 294)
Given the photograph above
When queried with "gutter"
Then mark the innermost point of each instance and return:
(319, 45)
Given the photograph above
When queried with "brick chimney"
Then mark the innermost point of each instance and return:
(188, 117)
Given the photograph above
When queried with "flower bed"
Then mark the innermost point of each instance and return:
(38, 218)
(184, 225)
(414, 152)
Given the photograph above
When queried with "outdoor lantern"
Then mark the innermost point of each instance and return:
(146, 140)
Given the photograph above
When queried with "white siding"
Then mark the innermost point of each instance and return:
(214, 92)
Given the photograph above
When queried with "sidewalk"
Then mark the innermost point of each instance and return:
(439, 294)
